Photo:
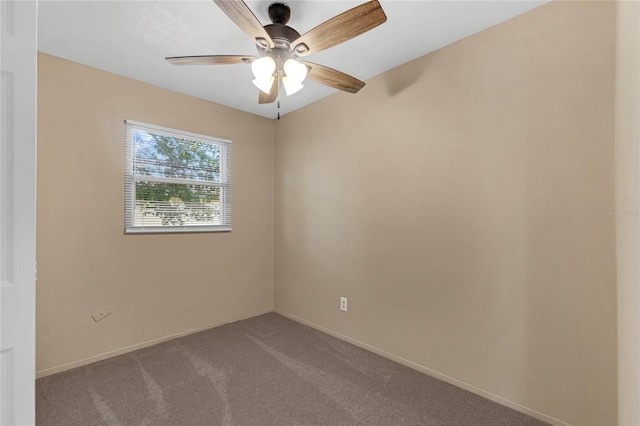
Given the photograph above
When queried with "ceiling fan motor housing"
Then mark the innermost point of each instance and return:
(281, 34)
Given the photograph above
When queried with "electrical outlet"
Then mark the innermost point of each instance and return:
(343, 304)
(100, 315)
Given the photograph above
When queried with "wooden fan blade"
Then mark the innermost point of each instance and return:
(242, 16)
(333, 78)
(340, 28)
(265, 98)
(211, 60)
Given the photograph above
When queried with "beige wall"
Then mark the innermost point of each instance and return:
(628, 209)
(156, 285)
(459, 203)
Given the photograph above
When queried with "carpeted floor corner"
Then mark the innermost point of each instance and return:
(262, 371)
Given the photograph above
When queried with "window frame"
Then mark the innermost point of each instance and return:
(131, 179)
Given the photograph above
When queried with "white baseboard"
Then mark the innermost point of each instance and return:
(131, 348)
(495, 398)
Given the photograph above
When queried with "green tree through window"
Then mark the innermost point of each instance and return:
(178, 180)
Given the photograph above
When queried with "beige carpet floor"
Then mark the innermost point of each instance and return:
(262, 371)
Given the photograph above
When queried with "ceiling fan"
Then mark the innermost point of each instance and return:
(279, 46)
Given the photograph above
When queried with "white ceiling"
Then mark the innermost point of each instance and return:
(132, 38)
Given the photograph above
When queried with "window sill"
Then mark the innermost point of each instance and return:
(176, 229)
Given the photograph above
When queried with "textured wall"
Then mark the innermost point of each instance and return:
(459, 202)
(156, 285)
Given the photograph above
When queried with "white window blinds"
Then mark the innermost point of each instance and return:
(176, 181)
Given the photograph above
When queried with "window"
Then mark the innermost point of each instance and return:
(176, 181)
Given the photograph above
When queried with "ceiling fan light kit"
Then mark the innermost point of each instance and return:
(263, 70)
(295, 73)
(279, 46)
(263, 67)
(290, 86)
(295, 70)
(264, 84)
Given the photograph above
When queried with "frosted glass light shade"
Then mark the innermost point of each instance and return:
(296, 71)
(264, 84)
(290, 86)
(263, 68)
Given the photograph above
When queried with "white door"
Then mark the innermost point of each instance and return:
(17, 211)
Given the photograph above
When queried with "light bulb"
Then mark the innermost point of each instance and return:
(264, 84)
(263, 68)
(291, 86)
(296, 71)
